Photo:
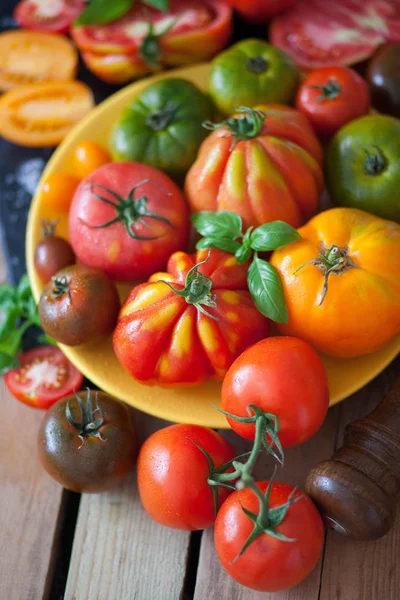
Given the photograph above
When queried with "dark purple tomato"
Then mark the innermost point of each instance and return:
(384, 78)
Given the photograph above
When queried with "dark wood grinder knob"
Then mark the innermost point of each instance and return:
(357, 489)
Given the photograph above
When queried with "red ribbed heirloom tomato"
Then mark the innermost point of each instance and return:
(172, 475)
(269, 564)
(188, 325)
(263, 164)
(126, 219)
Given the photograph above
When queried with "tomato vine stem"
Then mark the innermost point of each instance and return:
(242, 127)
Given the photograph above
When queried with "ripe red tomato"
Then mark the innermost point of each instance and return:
(283, 376)
(258, 11)
(332, 97)
(45, 376)
(78, 305)
(54, 16)
(52, 253)
(194, 333)
(269, 564)
(173, 472)
(126, 219)
(87, 442)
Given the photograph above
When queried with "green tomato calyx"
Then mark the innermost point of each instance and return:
(257, 65)
(330, 261)
(130, 210)
(243, 127)
(60, 287)
(150, 50)
(89, 425)
(197, 290)
(329, 91)
(159, 120)
(375, 162)
(49, 227)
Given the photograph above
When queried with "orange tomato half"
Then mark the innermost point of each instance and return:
(41, 114)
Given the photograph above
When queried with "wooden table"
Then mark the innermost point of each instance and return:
(55, 544)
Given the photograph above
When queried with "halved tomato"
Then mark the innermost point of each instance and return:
(319, 33)
(41, 114)
(55, 16)
(31, 57)
(45, 376)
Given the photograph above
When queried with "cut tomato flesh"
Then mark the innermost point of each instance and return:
(48, 15)
(317, 33)
(45, 376)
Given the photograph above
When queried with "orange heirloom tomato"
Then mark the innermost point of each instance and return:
(264, 165)
(58, 190)
(342, 282)
(188, 325)
(89, 156)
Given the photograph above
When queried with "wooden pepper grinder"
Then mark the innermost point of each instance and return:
(357, 489)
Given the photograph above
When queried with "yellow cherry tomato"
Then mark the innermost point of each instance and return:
(89, 156)
(57, 191)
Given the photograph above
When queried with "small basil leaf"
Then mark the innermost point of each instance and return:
(103, 11)
(46, 339)
(32, 312)
(224, 224)
(24, 288)
(10, 343)
(266, 289)
(160, 4)
(222, 243)
(273, 235)
(9, 314)
(8, 293)
(7, 362)
(243, 254)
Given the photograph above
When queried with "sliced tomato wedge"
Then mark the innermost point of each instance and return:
(54, 16)
(45, 376)
(319, 33)
(41, 114)
(31, 57)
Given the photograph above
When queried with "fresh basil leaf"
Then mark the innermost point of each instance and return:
(221, 224)
(266, 289)
(103, 11)
(46, 339)
(9, 314)
(10, 343)
(24, 288)
(222, 243)
(243, 254)
(7, 362)
(273, 235)
(160, 4)
(7, 293)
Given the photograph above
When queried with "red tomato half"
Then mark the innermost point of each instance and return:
(269, 564)
(153, 222)
(173, 472)
(45, 376)
(258, 11)
(283, 376)
(54, 16)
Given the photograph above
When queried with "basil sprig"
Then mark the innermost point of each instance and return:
(104, 11)
(223, 230)
(18, 312)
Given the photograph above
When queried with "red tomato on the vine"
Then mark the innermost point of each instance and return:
(189, 324)
(173, 472)
(332, 97)
(269, 564)
(126, 219)
(283, 376)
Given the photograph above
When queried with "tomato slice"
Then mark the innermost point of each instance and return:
(41, 114)
(45, 376)
(318, 33)
(54, 16)
(124, 36)
(30, 57)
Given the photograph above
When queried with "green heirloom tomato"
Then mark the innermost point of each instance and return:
(252, 72)
(363, 166)
(162, 126)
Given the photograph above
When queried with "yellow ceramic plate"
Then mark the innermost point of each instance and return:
(98, 362)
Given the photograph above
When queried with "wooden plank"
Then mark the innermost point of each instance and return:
(212, 580)
(29, 503)
(358, 570)
(119, 552)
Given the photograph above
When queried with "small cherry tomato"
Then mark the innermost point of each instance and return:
(173, 472)
(89, 156)
(269, 564)
(45, 376)
(87, 442)
(58, 190)
(331, 97)
(283, 376)
(78, 305)
(52, 253)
